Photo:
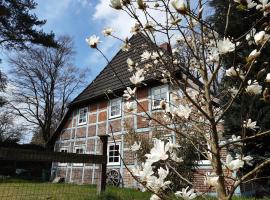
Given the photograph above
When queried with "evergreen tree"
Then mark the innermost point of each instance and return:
(18, 26)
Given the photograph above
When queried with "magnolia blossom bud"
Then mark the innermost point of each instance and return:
(141, 4)
(179, 6)
(253, 55)
(116, 4)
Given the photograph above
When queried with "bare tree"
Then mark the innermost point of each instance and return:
(44, 80)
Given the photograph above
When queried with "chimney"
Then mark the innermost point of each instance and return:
(166, 47)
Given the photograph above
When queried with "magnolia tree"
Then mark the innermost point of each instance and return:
(194, 113)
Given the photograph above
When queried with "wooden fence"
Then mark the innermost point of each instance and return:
(13, 154)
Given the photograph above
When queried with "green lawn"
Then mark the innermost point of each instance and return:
(24, 190)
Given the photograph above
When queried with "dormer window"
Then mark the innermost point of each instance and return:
(82, 116)
(159, 93)
(115, 108)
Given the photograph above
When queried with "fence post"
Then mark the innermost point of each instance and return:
(102, 182)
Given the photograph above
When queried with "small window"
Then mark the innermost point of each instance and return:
(158, 94)
(63, 150)
(202, 154)
(113, 154)
(115, 108)
(79, 150)
(82, 116)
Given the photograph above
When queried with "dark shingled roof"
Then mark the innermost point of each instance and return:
(107, 79)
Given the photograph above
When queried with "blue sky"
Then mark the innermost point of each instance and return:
(80, 19)
(76, 19)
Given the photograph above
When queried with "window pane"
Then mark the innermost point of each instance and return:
(111, 159)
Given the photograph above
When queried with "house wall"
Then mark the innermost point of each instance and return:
(98, 123)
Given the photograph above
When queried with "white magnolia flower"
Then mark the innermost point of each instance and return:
(234, 165)
(154, 197)
(116, 4)
(247, 159)
(138, 77)
(225, 46)
(264, 6)
(146, 55)
(183, 111)
(179, 6)
(144, 172)
(159, 183)
(136, 146)
(129, 93)
(251, 4)
(129, 106)
(261, 37)
(131, 64)
(155, 55)
(253, 55)
(267, 79)
(107, 31)
(232, 72)
(185, 194)
(211, 179)
(235, 138)
(158, 152)
(249, 124)
(253, 88)
(93, 41)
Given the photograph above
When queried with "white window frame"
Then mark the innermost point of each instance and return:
(110, 109)
(153, 96)
(75, 149)
(79, 116)
(60, 150)
(204, 161)
(108, 151)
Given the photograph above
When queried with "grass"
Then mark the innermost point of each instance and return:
(29, 190)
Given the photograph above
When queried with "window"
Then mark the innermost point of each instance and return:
(63, 150)
(113, 154)
(82, 116)
(202, 154)
(79, 150)
(158, 94)
(115, 108)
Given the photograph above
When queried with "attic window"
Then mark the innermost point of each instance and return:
(82, 116)
(159, 93)
(115, 108)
